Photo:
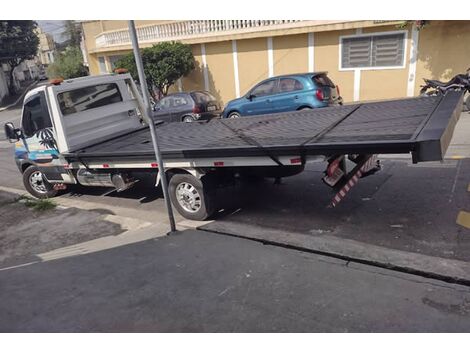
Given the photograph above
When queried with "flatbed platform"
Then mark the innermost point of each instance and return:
(422, 126)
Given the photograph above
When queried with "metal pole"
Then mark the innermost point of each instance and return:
(143, 85)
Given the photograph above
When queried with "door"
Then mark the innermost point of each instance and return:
(288, 97)
(39, 143)
(259, 99)
(182, 105)
(163, 109)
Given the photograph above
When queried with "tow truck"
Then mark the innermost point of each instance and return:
(94, 131)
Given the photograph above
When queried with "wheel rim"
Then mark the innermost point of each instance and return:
(188, 119)
(37, 182)
(188, 197)
(234, 115)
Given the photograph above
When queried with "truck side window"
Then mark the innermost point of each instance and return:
(35, 117)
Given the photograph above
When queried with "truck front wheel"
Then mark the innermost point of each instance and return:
(191, 197)
(36, 184)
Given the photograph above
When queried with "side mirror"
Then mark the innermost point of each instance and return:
(250, 97)
(12, 133)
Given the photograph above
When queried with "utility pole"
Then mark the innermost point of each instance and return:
(145, 95)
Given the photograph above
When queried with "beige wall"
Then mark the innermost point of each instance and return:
(444, 51)
(327, 59)
(388, 83)
(195, 80)
(290, 54)
(252, 62)
(219, 59)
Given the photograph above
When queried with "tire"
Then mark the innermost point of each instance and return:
(191, 197)
(36, 184)
(234, 115)
(305, 108)
(188, 119)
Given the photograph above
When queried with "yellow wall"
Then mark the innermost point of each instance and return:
(252, 62)
(444, 51)
(290, 54)
(327, 59)
(219, 59)
(386, 84)
(195, 80)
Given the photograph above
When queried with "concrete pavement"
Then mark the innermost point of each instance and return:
(200, 282)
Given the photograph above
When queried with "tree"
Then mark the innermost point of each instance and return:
(73, 33)
(69, 64)
(164, 64)
(18, 42)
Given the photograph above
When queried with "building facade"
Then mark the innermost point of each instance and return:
(46, 49)
(369, 60)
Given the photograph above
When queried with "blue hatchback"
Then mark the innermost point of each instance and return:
(286, 93)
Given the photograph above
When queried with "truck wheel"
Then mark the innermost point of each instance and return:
(36, 184)
(191, 197)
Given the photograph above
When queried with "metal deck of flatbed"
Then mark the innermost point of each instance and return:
(422, 125)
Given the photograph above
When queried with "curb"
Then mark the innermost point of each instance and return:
(20, 97)
(447, 270)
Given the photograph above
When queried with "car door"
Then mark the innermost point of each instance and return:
(259, 98)
(182, 105)
(163, 109)
(288, 96)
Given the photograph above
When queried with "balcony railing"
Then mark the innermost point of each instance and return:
(180, 30)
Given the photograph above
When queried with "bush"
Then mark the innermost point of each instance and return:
(68, 65)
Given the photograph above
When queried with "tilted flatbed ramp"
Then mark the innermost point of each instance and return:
(422, 126)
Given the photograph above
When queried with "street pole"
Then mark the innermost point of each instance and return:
(145, 95)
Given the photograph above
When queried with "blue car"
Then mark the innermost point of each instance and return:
(285, 93)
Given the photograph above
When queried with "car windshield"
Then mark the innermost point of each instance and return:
(323, 80)
(202, 97)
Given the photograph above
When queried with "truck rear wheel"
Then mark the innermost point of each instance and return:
(191, 197)
(36, 184)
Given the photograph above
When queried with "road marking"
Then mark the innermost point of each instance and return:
(455, 182)
(463, 219)
(18, 266)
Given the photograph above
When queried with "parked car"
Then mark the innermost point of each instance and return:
(187, 107)
(286, 93)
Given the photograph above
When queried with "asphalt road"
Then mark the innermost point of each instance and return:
(201, 282)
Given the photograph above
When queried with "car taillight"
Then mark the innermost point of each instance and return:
(337, 91)
(319, 94)
(197, 109)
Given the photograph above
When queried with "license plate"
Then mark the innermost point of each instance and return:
(211, 108)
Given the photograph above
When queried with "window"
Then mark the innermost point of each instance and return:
(102, 64)
(264, 88)
(87, 98)
(322, 80)
(165, 103)
(202, 97)
(289, 85)
(384, 50)
(179, 101)
(35, 118)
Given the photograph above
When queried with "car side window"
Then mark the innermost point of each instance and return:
(289, 85)
(265, 88)
(179, 101)
(35, 117)
(165, 103)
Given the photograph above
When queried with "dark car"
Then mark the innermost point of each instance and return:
(187, 107)
(286, 93)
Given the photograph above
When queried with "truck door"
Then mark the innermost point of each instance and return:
(38, 135)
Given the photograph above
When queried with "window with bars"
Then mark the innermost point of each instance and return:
(383, 50)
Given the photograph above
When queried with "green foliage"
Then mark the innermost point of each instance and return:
(18, 42)
(164, 64)
(38, 204)
(68, 65)
(73, 33)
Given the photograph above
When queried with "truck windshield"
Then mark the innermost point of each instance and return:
(86, 98)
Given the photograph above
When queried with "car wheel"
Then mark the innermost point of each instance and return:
(191, 197)
(36, 184)
(188, 119)
(305, 108)
(234, 115)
